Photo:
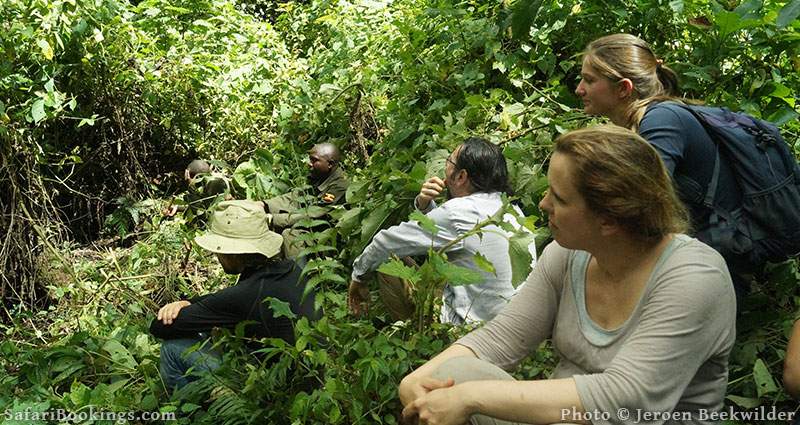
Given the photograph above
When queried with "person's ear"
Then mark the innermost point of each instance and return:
(609, 227)
(624, 88)
(462, 177)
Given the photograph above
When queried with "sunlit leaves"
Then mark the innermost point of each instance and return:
(483, 263)
(37, 111)
(47, 51)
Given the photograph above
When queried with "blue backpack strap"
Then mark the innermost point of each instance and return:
(715, 232)
(716, 213)
(711, 191)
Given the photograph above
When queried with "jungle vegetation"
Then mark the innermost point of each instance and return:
(103, 103)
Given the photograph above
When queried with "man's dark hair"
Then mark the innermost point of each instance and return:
(485, 165)
(198, 166)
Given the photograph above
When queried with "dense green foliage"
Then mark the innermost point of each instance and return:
(100, 101)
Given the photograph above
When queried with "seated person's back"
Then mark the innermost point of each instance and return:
(240, 237)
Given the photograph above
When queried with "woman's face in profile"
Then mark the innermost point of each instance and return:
(572, 224)
(598, 94)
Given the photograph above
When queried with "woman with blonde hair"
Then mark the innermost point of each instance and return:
(623, 80)
(621, 292)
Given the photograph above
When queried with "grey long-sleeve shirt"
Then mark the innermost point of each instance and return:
(476, 302)
(671, 355)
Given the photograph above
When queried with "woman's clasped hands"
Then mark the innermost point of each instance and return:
(430, 401)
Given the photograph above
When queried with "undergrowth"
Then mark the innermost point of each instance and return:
(102, 103)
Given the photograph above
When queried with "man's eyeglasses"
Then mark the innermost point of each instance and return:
(451, 162)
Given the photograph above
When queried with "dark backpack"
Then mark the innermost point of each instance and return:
(767, 226)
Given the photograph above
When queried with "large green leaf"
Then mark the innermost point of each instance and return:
(483, 263)
(373, 222)
(730, 22)
(418, 171)
(280, 308)
(455, 275)
(436, 162)
(119, 354)
(314, 250)
(764, 382)
(348, 221)
(37, 110)
(395, 267)
(520, 256)
(357, 192)
(676, 6)
(47, 51)
(745, 402)
(788, 14)
(783, 115)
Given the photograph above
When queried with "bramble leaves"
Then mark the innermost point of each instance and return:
(520, 256)
(395, 267)
(280, 308)
(119, 354)
(452, 274)
(483, 263)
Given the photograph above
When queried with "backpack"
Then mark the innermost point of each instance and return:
(767, 225)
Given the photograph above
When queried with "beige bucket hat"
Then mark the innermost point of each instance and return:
(240, 227)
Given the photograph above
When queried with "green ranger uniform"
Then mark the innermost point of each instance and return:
(295, 206)
(204, 191)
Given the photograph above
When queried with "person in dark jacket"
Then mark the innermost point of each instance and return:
(240, 237)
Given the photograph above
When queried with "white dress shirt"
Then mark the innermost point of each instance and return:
(463, 303)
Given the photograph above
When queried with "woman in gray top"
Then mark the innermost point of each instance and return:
(623, 294)
(622, 79)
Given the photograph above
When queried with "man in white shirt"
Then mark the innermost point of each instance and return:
(475, 177)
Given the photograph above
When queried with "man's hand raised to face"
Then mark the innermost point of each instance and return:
(430, 189)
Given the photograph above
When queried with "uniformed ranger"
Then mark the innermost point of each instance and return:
(328, 183)
(205, 188)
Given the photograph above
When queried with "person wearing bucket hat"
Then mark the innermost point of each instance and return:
(240, 236)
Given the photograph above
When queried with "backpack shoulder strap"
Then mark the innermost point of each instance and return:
(711, 190)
